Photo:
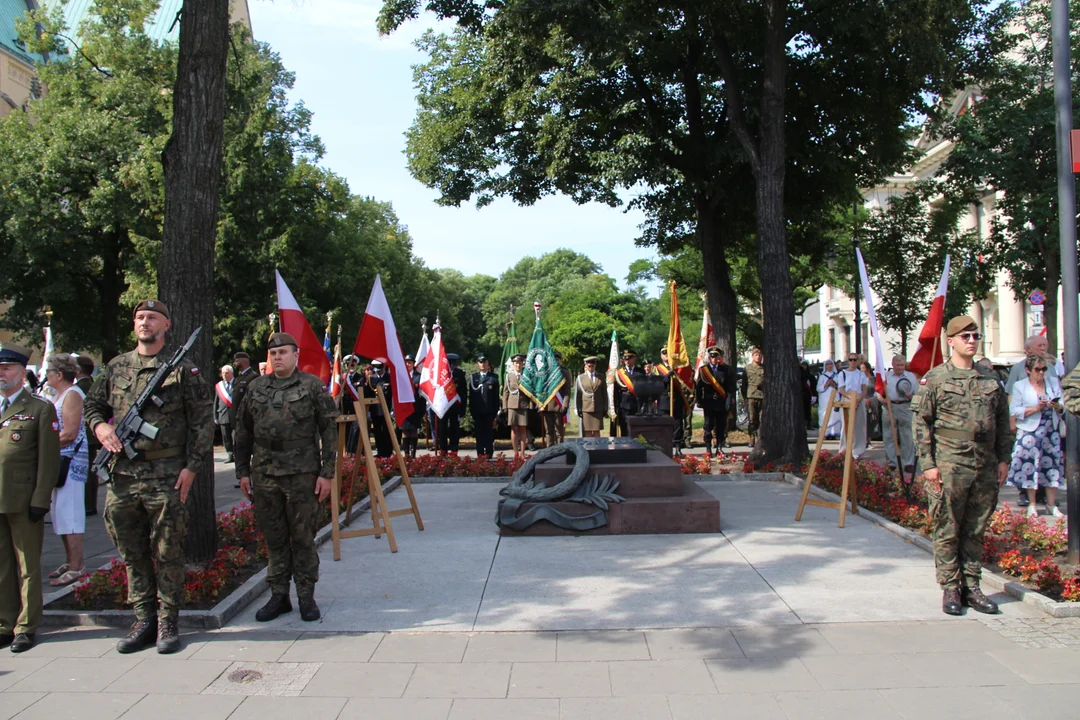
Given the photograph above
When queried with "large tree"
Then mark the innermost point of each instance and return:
(743, 117)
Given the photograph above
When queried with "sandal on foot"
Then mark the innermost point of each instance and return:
(59, 571)
(69, 577)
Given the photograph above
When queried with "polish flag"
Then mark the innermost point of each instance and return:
(929, 354)
(436, 382)
(335, 375)
(378, 339)
(875, 330)
(422, 351)
(312, 358)
(707, 340)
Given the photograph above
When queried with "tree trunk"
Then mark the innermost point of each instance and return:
(192, 164)
(111, 289)
(782, 437)
(723, 304)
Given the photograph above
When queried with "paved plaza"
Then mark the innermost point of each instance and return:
(769, 619)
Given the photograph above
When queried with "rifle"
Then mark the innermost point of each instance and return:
(132, 425)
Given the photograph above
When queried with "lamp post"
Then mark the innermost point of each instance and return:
(855, 259)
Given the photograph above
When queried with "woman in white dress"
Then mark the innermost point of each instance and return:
(69, 502)
(826, 388)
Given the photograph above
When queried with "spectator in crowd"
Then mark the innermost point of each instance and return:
(1037, 459)
(872, 402)
(852, 385)
(826, 388)
(224, 410)
(84, 378)
(1034, 345)
(901, 387)
(69, 500)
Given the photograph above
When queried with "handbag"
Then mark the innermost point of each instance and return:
(65, 466)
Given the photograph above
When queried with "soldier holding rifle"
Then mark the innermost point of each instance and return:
(152, 475)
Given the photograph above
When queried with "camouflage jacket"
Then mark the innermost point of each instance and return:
(961, 417)
(286, 426)
(184, 420)
(240, 386)
(1070, 387)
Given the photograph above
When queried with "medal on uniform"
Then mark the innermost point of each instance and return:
(16, 436)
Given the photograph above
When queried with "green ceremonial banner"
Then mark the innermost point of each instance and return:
(510, 349)
(541, 378)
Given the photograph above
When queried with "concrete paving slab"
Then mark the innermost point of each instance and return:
(922, 637)
(863, 672)
(837, 705)
(782, 642)
(512, 647)
(725, 707)
(252, 645)
(183, 707)
(560, 680)
(638, 708)
(14, 669)
(74, 643)
(15, 702)
(321, 647)
(420, 648)
(75, 675)
(365, 680)
(410, 708)
(1041, 667)
(956, 703)
(154, 675)
(1020, 702)
(601, 646)
(958, 669)
(459, 680)
(269, 679)
(686, 644)
(660, 677)
(759, 675)
(289, 708)
(80, 706)
(503, 708)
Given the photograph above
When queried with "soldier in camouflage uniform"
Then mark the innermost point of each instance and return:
(754, 392)
(286, 441)
(1070, 388)
(961, 427)
(144, 510)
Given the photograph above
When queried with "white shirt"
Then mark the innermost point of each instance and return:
(851, 380)
(892, 379)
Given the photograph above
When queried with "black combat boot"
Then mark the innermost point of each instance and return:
(168, 636)
(950, 602)
(309, 611)
(276, 605)
(976, 600)
(142, 635)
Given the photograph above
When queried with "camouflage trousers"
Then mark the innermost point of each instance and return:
(147, 523)
(287, 511)
(961, 512)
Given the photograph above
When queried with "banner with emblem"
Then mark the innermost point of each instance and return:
(541, 378)
(612, 368)
(510, 349)
(436, 382)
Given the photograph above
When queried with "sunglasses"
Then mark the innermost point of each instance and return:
(853, 359)
(1038, 370)
(968, 336)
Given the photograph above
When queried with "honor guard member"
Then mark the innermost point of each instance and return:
(626, 401)
(711, 393)
(673, 389)
(144, 509)
(410, 430)
(590, 399)
(484, 405)
(352, 382)
(754, 392)
(961, 427)
(449, 435)
(286, 441)
(29, 466)
(379, 378)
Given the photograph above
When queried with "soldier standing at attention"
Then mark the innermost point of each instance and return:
(144, 509)
(29, 465)
(626, 401)
(379, 378)
(286, 443)
(590, 399)
(755, 393)
(243, 374)
(410, 430)
(711, 393)
(673, 391)
(484, 405)
(961, 427)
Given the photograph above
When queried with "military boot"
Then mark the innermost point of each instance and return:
(309, 611)
(950, 602)
(142, 635)
(276, 605)
(168, 636)
(976, 600)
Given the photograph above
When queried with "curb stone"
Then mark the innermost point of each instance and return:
(212, 619)
(994, 580)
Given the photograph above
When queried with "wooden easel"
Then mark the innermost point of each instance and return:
(380, 515)
(848, 405)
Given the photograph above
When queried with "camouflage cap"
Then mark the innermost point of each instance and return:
(153, 305)
(959, 324)
(281, 339)
(12, 354)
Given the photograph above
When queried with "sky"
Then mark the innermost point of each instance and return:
(359, 87)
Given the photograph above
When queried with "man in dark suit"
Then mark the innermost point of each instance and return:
(626, 400)
(711, 393)
(224, 408)
(380, 378)
(673, 388)
(484, 405)
(29, 466)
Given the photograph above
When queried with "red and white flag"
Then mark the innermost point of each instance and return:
(378, 339)
(707, 340)
(879, 342)
(436, 382)
(422, 351)
(929, 354)
(312, 357)
(335, 375)
(223, 393)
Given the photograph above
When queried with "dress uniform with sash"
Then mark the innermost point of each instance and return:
(711, 392)
(626, 400)
(29, 465)
(590, 398)
(673, 389)
(483, 400)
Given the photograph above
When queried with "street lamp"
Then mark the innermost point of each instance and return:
(857, 281)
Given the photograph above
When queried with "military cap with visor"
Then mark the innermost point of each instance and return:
(12, 354)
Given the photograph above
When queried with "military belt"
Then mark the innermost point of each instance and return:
(978, 436)
(162, 454)
(279, 445)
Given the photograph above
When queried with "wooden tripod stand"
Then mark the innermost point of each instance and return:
(380, 515)
(848, 406)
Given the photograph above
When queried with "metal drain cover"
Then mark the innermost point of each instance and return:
(246, 675)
